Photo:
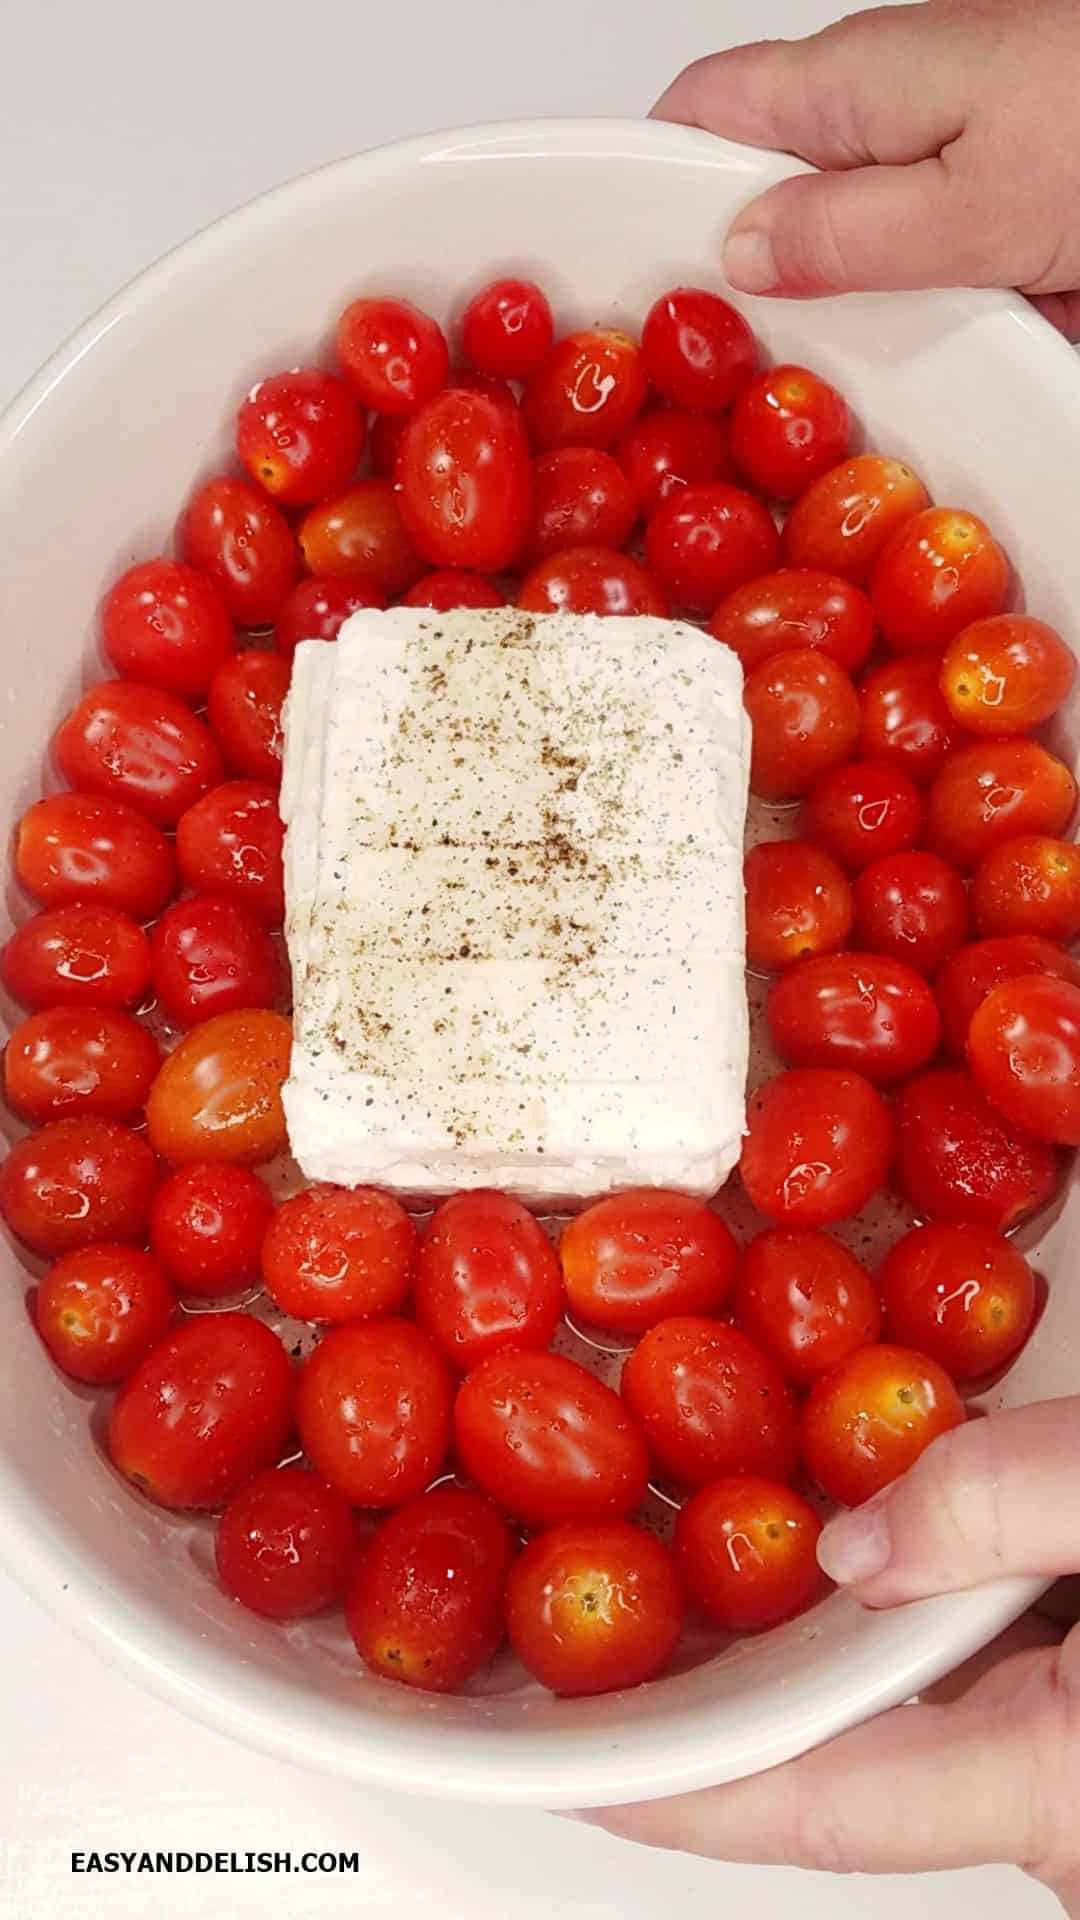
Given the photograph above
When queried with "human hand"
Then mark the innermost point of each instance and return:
(950, 144)
(993, 1774)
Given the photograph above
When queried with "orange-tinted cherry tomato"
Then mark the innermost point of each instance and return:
(1028, 885)
(207, 1226)
(70, 1060)
(905, 722)
(452, 587)
(300, 435)
(286, 1545)
(100, 1309)
(168, 625)
(80, 848)
(317, 609)
(798, 903)
(77, 956)
(140, 745)
(862, 811)
(993, 790)
(244, 709)
(212, 956)
(843, 521)
(592, 580)
(805, 716)
(868, 1421)
(230, 843)
(581, 498)
(912, 907)
(939, 571)
(1006, 674)
(710, 1402)
(788, 427)
(592, 1606)
(218, 1095)
(961, 1294)
(860, 1010)
(958, 1159)
(972, 973)
(359, 537)
(339, 1253)
(805, 1300)
(392, 354)
(793, 608)
(746, 1548)
(586, 392)
(465, 482)
(636, 1258)
(819, 1142)
(705, 541)
(233, 533)
(487, 1279)
(507, 329)
(667, 449)
(698, 350)
(76, 1183)
(373, 1408)
(1024, 1050)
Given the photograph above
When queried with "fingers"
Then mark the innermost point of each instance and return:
(1062, 310)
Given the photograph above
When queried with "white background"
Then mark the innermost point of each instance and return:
(125, 125)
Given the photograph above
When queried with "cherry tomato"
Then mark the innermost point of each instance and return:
(705, 541)
(592, 580)
(393, 355)
(788, 427)
(230, 843)
(636, 1258)
(806, 1301)
(207, 1226)
(80, 848)
(912, 907)
(973, 972)
(373, 1407)
(844, 520)
(594, 1605)
(134, 743)
(218, 1095)
(993, 790)
(338, 1253)
(861, 811)
(209, 1407)
(581, 498)
(791, 609)
(74, 1060)
(805, 716)
(586, 392)
(286, 1545)
(957, 1159)
(317, 609)
(166, 624)
(548, 1441)
(819, 1142)
(666, 450)
(869, 1419)
(1024, 1049)
(244, 710)
(75, 1183)
(746, 1549)
(233, 533)
(962, 1295)
(710, 1402)
(798, 902)
(860, 1010)
(471, 380)
(426, 1605)
(100, 1309)
(300, 435)
(1006, 674)
(465, 482)
(359, 537)
(1028, 885)
(487, 1279)
(905, 722)
(507, 329)
(384, 443)
(452, 587)
(78, 956)
(212, 956)
(698, 350)
(940, 570)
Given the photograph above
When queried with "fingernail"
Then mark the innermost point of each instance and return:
(856, 1546)
(749, 261)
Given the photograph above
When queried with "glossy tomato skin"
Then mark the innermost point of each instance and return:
(207, 1226)
(487, 1279)
(862, 811)
(300, 435)
(639, 1257)
(244, 710)
(1030, 885)
(667, 449)
(592, 580)
(705, 541)
(958, 1159)
(243, 542)
(788, 427)
(940, 571)
(746, 1548)
(358, 537)
(793, 608)
(80, 848)
(166, 624)
(710, 1402)
(992, 791)
(507, 328)
(805, 717)
(587, 391)
(805, 1301)
(286, 1545)
(317, 609)
(393, 355)
(218, 1095)
(210, 1406)
(100, 1309)
(844, 520)
(905, 721)
(79, 1060)
(76, 1183)
(973, 972)
(373, 1409)
(869, 1419)
(1006, 674)
(581, 498)
(451, 587)
(548, 1441)
(230, 843)
(594, 1606)
(912, 907)
(798, 903)
(212, 956)
(861, 1010)
(962, 1295)
(1024, 1050)
(698, 350)
(819, 1142)
(337, 1253)
(465, 482)
(77, 956)
(137, 744)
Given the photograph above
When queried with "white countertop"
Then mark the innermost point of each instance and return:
(125, 128)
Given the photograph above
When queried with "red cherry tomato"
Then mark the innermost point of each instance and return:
(317, 609)
(74, 1060)
(212, 956)
(581, 498)
(940, 570)
(300, 435)
(244, 710)
(167, 625)
(905, 722)
(868, 1421)
(100, 1309)
(957, 1159)
(384, 443)
(788, 427)
(860, 1010)
(1029, 885)
(972, 973)
(805, 716)
(471, 380)
(465, 482)
(698, 350)
(233, 533)
(1024, 1049)
(746, 1549)
(548, 1441)
(993, 790)
(844, 520)
(705, 541)
(507, 329)
(790, 609)
(586, 392)
(359, 537)
(286, 1545)
(962, 1295)
(819, 1142)
(636, 1258)
(593, 1606)
(1006, 674)
(230, 843)
(487, 1279)
(394, 356)
(207, 1227)
(710, 1402)
(912, 907)
(798, 902)
(452, 587)
(218, 1095)
(80, 848)
(592, 580)
(76, 1183)
(426, 1605)
(337, 1253)
(209, 1407)
(136, 744)
(78, 956)
(861, 812)
(806, 1301)
(666, 450)
(373, 1407)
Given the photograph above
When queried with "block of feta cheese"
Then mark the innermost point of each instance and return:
(515, 905)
